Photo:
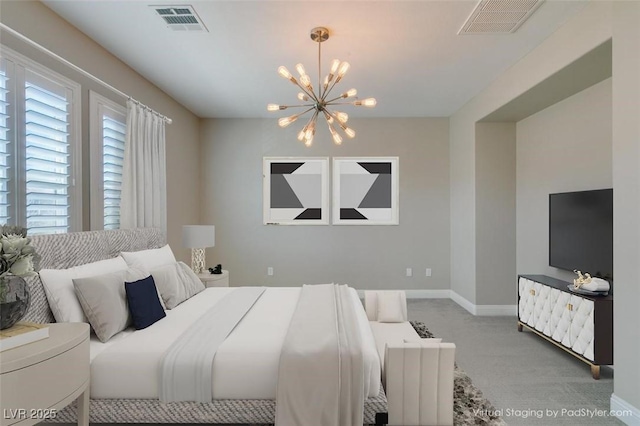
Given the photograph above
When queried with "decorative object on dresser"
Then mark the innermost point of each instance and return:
(580, 324)
(43, 377)
(365, 191)
(215, 280)
(19, 259)
(295, 191)
(216, 270)
(198, 238)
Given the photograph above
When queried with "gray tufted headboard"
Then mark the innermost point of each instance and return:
(61, 251)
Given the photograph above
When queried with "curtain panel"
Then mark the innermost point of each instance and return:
(144, 177)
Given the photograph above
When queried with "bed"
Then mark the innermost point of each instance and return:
(124, 379)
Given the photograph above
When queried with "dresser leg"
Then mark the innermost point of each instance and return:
(520, 327)
(83, 408)
(595, 372)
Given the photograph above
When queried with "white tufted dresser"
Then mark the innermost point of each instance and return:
(581, 325)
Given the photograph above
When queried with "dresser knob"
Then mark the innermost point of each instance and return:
(570, 306)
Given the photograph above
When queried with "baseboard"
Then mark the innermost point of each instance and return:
(484, 310)
(480, 310)
(418, 294)
(625, 412)
(470, 307)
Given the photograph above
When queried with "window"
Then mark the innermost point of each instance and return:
(108, 130)
(39, 147)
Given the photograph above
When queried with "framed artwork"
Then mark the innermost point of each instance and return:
(295, 190)
(365, 191)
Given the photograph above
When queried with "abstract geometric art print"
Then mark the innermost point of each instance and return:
(295, 191)
(365, 191)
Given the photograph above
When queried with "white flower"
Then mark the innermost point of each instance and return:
(23, 266)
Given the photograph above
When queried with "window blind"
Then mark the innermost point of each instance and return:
(47, 158)
(113, 136)
(5, 149)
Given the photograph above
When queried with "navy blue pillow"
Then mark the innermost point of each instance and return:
(144, 304)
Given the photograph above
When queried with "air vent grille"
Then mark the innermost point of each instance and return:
(180, 18)
(499, 16)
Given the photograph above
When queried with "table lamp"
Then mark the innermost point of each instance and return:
(197, 238)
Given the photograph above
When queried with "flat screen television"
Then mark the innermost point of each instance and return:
(581, 232)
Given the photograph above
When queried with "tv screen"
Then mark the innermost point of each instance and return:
(581, 232)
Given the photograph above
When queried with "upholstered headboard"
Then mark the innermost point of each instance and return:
(61, 251)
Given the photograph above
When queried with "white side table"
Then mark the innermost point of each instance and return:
(215, 280)
(43, 377)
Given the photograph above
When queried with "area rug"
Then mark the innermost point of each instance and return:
(470, 407)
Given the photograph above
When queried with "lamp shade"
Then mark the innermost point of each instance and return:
(198, 236)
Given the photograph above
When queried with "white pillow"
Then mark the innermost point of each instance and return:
(390, 307)
(176, 283)
(424, 340)
(170, 288)
(148, 260)
(58, 286)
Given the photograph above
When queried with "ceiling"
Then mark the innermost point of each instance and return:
(406, 54)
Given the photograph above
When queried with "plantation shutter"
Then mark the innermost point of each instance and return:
(6, 148)
(47, 160)
(113, 136)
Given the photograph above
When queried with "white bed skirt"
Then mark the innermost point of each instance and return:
(245, 366)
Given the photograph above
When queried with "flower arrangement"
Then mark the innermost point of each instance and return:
(17, 255)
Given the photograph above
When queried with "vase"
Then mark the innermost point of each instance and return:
(14, 300)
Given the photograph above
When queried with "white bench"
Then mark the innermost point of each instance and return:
(417, 373)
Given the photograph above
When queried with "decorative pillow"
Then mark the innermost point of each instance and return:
(425, 340)
(390, 307)
(144, 304)
(104, 302)
(58, 286)
(192, 284)
(169, 286)
(148, 260)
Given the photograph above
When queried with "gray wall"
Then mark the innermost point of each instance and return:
(626, 201)
(566, 147)
(40, 24)
(372, 257)
(496, 213)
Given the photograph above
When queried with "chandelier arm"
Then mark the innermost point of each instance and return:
(339, 103)
(300, 106)
(319, 71)
(308, 92)
(335, 99)
(333, 84)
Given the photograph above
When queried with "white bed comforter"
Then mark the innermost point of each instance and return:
(245, 365)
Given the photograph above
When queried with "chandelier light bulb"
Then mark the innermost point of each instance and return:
(337, 139)
(328, 117)
(275, 107)
(350, 93)
(284, 72)
(350, 132)
(301, 135)
(369, 102)
(342, 117)
(285, 121)
(334, 66)
(300, 69)
(306, 81)
(302, 97)
(344, 67)
(308, 142)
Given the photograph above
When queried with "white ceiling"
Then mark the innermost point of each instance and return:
(406, 54)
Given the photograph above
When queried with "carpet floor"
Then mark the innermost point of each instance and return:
(528, 380)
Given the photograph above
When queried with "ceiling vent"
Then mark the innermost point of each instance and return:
(180, 18)
(499, 16)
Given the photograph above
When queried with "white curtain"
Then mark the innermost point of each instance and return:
(144, 182)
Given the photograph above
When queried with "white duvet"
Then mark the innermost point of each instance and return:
(245, 365)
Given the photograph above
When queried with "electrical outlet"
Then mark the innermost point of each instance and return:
(428, 272)
(409, 272)
(270, 271)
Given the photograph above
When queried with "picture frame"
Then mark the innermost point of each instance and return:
(365, 191)
(295, 190)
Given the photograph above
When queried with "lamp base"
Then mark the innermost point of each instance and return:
(198, 260)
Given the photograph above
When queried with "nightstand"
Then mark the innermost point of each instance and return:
(215, 280)
(40, 378)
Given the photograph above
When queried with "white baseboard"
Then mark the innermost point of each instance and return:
(625, 412)
(480, 310)
(484, 310)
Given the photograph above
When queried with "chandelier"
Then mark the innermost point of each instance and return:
(317, 100)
